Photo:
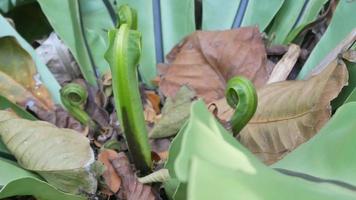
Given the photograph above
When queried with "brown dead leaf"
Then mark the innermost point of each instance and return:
(161, 147)
(149, 112)
(60, 117)
(221, 110)
(132, 188)
(112, 179)
(58, 58)
(291, 112)
(205, 61)
(154, 99)
(20, 82)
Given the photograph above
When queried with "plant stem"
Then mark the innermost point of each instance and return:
(123, 56)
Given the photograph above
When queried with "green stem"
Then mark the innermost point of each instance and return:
(74, 97)
(241, 95)
(123, 56)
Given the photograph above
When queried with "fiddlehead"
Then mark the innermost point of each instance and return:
(74, 97)
(241, 95)
(127, 15)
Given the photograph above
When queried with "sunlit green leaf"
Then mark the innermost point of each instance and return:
(15, 181)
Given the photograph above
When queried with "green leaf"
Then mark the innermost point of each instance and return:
(46, 76)
(351, 97)
(15, 181)
(330, 153)
(4, 152)
(205, 137)
(293, 16)
(178, 21)
(38, 146)
(204, 152)
(5, 104)
(224, 14)
(342, 23)
(261, 13)
(84, 30)
(264, 183)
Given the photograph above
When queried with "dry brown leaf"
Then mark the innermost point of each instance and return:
(221, 110)
(149, 112)
(161, 147)
(58, 58)
(291, 112)
(132, 188)
(206, 60)
(60, 117)
(154, 99)
(112, 179)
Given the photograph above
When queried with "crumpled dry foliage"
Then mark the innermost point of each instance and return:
(56, 55)
(111, 178)
(59, 117)
(291, 112)
(205, 61)
(132, 188)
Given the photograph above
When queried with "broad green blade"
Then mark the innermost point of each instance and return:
(15, 181)
(10, 171)
(342, 23)
(46, 76)
(352, 97)
(203, 136)
(97, 22)
(331, 153)
(4, 152)
(84, 30)
(204, 152)
(293, 16)
(219, 15)
(5, 104)
(261, 13)
(211, 181)
(178, 21)
(227, 14)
